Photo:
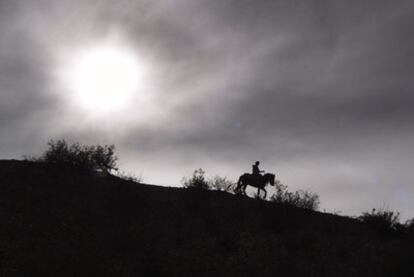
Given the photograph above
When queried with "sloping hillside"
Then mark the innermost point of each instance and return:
(61, 221)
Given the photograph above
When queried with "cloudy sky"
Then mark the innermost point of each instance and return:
(321, 92)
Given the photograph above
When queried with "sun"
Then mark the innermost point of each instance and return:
(102, 78)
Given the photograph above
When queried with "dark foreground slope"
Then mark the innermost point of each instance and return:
(59, 221)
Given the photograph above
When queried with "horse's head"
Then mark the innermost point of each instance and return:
(270, 178)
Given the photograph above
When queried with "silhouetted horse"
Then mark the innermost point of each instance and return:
(255, 181)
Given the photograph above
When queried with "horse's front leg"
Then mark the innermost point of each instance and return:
(265, 194)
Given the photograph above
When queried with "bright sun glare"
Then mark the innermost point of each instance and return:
(103, 78)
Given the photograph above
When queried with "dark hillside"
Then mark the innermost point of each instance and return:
(61, 221)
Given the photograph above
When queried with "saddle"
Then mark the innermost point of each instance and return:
(257, 178)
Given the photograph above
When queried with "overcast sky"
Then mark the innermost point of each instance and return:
(321, 92)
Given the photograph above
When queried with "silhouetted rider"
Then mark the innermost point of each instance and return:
(256, 171)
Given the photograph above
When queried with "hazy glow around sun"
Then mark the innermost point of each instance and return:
(103, 78)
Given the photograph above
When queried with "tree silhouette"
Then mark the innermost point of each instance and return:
(197, 181)
(92, 157)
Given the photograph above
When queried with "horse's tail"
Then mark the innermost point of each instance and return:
(229, 187)
(239, 184)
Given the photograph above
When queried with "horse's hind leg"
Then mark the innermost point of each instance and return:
(237, 189)
(239, 186)
(265, 194)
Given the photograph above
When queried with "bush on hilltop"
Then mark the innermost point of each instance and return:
(91, 157)
(301, 199)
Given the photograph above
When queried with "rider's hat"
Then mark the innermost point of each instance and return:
(257, 162)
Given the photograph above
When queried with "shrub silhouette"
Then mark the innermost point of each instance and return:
(197, 181)
(128, 176)
(301, 199)
(220, 183)
(409, 225)
(91, 157)
(382, 221)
